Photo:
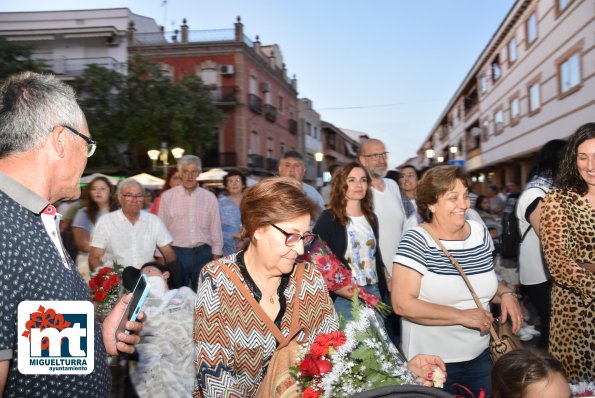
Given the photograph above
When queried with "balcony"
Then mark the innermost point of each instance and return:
(270, 113)
(76, 66)
(272, 165)
(255, 161)
(293, 126)
(224, 96)
(255, 103)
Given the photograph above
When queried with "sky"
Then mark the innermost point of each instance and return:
(384, 67)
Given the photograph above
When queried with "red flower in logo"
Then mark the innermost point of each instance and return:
(43, 319)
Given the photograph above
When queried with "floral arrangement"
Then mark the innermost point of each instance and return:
(583, 389)
(337, 275)
(340, 364)
(105, 289)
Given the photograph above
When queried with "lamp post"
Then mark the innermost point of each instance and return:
(153, 155)
(318, 157)
(430, 155)
(163, 155)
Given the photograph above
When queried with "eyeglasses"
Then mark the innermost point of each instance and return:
(377, 156)
(91, 144)
(293, 239)
(129, 196)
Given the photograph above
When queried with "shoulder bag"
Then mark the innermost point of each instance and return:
(502, 339)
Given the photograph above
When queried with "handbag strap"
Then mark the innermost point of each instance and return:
(294, 326)
(460, 269)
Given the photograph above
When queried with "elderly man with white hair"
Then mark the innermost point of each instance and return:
(129, 236)
(191, 214)
(44, 146)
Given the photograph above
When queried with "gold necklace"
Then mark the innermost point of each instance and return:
(271, 296)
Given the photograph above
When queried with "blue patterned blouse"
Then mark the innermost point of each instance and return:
(230, 223)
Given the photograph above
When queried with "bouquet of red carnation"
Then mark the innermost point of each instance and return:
(105, 289)
(343, 363)
(317, 363)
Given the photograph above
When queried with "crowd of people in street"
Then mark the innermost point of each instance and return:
(229, 288)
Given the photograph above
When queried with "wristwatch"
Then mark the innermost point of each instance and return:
(513, 294)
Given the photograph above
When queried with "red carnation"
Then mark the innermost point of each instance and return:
(94, 283)
(323, 341)
(100, 295)
(311, 393)
(312, 366)
(114, 278)
(105, 271)
(107, 285)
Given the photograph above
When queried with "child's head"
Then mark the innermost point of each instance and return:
(529, 373)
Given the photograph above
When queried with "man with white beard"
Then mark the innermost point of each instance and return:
(388, 206)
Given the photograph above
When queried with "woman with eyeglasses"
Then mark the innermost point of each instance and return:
(99, 199)
(350, 229)
(229, 211)
(247, 300)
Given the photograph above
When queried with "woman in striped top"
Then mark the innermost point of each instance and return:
(439, 314)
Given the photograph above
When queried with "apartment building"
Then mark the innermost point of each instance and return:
(249, 83)
(68, 41)
(533, 82)
(310, 140)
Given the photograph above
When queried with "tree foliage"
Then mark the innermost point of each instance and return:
(16, 58)
(130, 114)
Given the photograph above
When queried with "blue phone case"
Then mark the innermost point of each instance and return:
(139, 295)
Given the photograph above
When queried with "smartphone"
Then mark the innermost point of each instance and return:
(139, 295)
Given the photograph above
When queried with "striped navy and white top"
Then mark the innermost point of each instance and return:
(442, 284)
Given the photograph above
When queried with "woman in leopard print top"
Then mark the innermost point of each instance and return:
(568, 241)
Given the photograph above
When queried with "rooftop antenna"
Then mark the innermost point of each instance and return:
(164, 5)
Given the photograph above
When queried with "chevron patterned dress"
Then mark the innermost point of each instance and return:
(233, 346)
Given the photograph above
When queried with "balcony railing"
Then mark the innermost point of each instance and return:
(76, 66)
(194, 36)
(270, 112)
(293, 126)
(256, 161)
(255, 103)
(224, 95)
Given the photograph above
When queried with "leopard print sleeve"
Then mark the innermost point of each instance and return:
(567, 232)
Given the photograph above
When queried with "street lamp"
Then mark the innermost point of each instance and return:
(454, 149)
(440, 159)
(153, 155)
(177, 152)
(318, 157)
(163, 155)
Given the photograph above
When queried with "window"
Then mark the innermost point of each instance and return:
(270, 147)
(534, 98)
(483, 83)
(570, 73)
(267, 98)
(280, 104)
(253, 85)
(209, 76)
(496, 69)
(308, 128)
(254, 144)
(499, 121)
(515, 111)
(512, 50)
(282, 147)
(531, 29)
(315, 130)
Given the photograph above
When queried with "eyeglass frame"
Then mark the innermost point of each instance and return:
(130, 196)
(377, 156)
(306, 235)
(91, 143)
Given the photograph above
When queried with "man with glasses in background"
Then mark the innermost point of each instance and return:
(44, 145)
(191, 214)
(389, 210)
(129, 236)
